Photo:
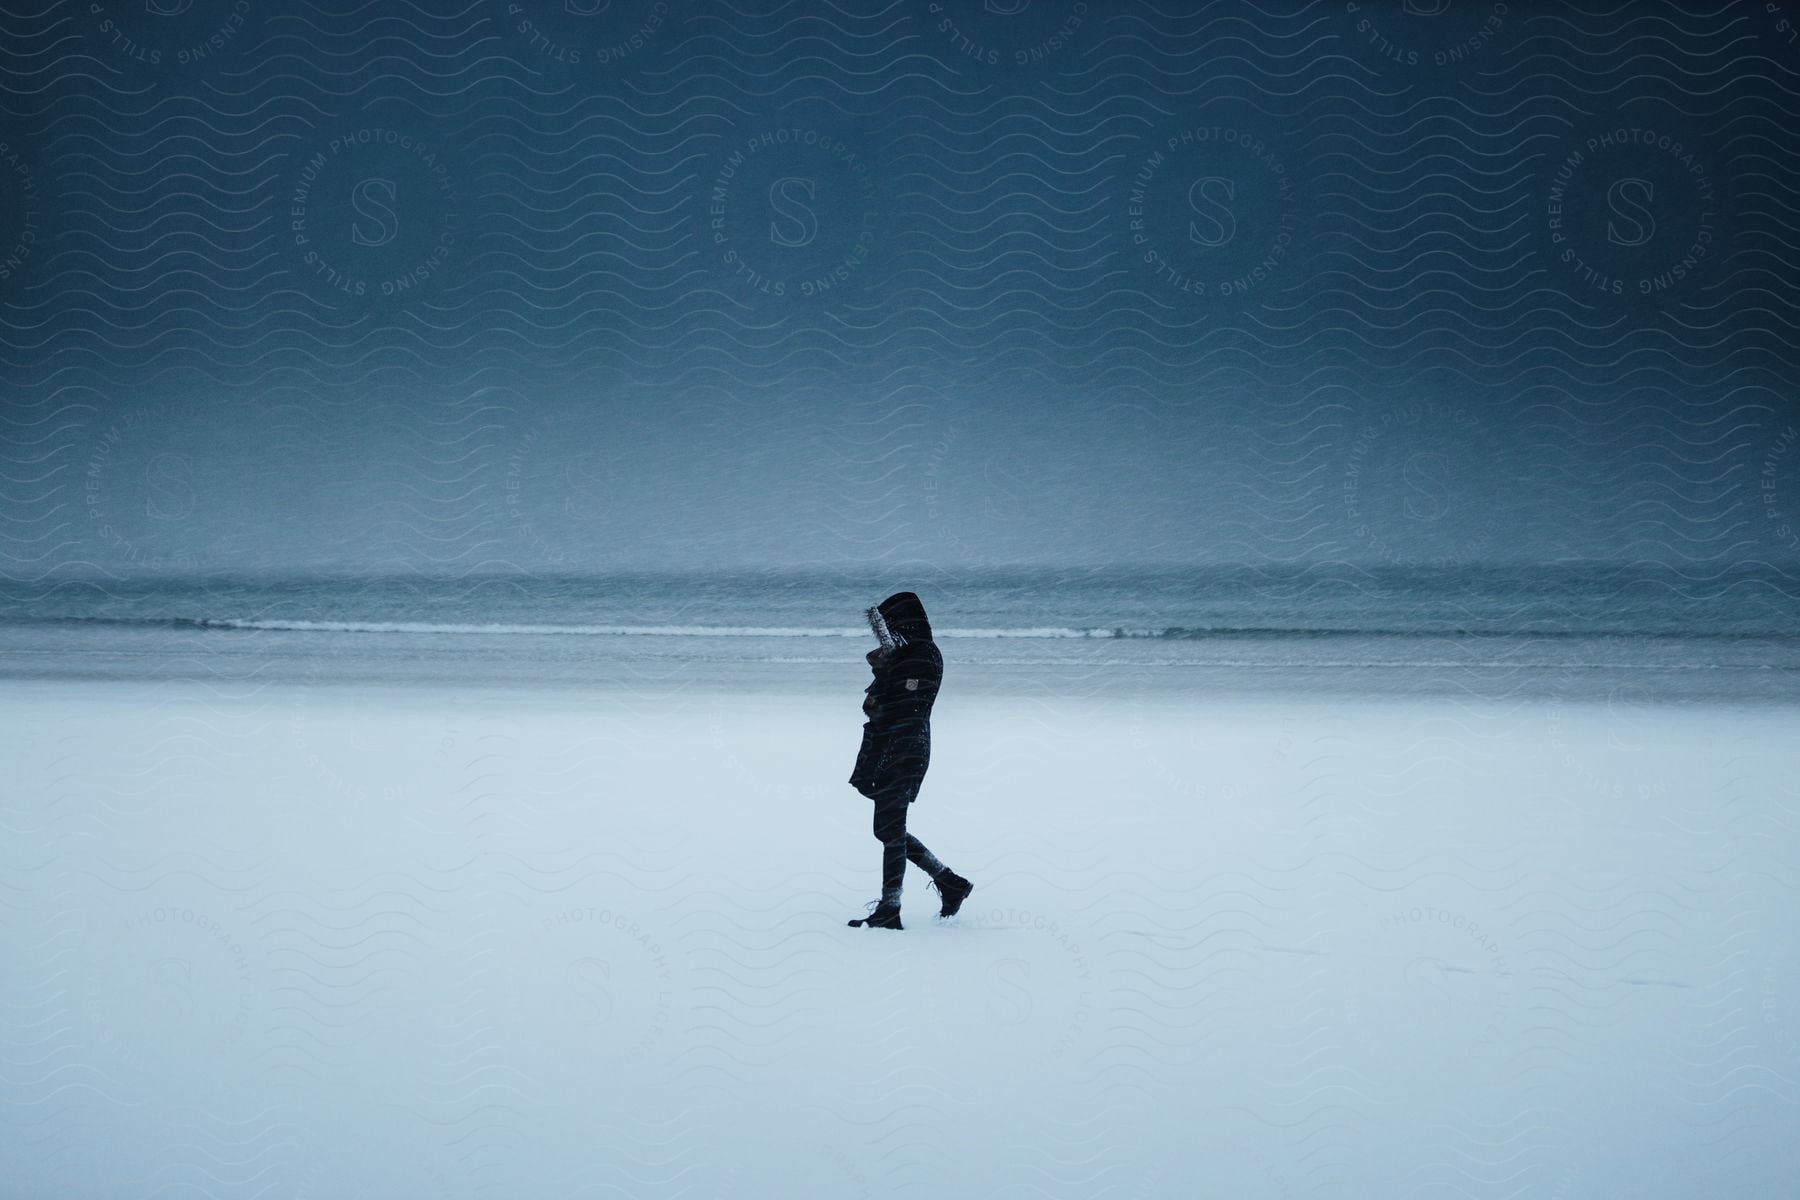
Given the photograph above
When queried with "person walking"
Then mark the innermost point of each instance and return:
(896, 750)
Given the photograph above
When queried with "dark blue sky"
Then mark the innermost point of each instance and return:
(455, 287)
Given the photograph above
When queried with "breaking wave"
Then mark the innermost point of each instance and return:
(861, 633)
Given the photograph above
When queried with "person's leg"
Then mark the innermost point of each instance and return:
(920, 857)
(890, 831)
(951, 886)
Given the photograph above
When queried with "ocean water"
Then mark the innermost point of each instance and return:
(1490, 631)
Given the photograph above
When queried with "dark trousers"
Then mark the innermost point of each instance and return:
(898, 847)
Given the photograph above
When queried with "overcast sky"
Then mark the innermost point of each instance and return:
(1120, 288)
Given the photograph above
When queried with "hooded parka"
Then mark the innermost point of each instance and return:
(896, 741)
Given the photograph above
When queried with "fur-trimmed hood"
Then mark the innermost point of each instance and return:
(902, 616)
(907, 672)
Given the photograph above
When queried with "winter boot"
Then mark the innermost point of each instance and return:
(884, 914)
(954, 889)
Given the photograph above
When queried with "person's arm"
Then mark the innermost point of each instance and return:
(879, 699)
(904, 688)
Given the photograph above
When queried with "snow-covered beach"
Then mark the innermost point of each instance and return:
(276, 930)
(502, 505)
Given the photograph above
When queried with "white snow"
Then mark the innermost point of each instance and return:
(313, 942)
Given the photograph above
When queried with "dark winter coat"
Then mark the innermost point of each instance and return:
(896, 741)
